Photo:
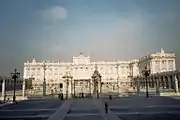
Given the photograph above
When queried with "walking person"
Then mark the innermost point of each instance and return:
(110, 97)
(106, 107)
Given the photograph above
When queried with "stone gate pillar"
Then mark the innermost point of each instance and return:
(176, 84)
(67, 84)
(23, 87)
(169, 82)
(91, 86)
(157, 80)
(3, 87)
(70, 86)
(99, 84)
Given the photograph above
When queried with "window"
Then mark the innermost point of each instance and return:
(61, 85)
(170, 64)
(81, 83)
(33, 68)
(170, 61)
(38, 76)
(163, 62)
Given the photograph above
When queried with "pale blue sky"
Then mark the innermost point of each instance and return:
(103, 29)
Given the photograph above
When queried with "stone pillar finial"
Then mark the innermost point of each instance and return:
(96, 67)
(34, 59)
(162, 50)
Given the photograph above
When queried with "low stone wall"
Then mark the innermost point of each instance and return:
(18, 98)
(169, 94)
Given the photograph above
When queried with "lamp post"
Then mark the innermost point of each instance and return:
(44, 80)
(96, 77)
(146, 73)
(96, 83)
(137, 84)
(15, 76)
(67, 77)
(117, 77)
(157, 85)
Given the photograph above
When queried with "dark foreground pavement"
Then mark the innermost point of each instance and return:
(125, 108)
(38, 109)
(141, 108)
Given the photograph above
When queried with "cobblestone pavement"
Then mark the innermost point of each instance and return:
(38, 109)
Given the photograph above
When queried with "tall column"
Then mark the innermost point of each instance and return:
(119, 88)
(64, 87)
(138, 85)
(99, 81)
(157, 81)
(90, 87)
(178, 79)
(176, 84)
(74, 88)
(169, 82)
(69, 87)
(72, 91)
(164, 81)
(3, 87)
(23, 90)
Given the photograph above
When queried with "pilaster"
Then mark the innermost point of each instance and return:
(64, 87)
(69, 87)
(169, 82)
(176, 84)
(24, 89)
(3, 87)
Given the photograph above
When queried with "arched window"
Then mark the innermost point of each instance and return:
(61, 85)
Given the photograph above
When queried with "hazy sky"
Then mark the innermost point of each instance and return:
(102, 29)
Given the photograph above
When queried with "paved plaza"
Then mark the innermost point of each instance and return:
(124, 108)
(39, 109)
(141, 108)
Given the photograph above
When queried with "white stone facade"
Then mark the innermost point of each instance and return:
(115, 74)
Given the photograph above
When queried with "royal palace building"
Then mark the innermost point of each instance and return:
(83, 75)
